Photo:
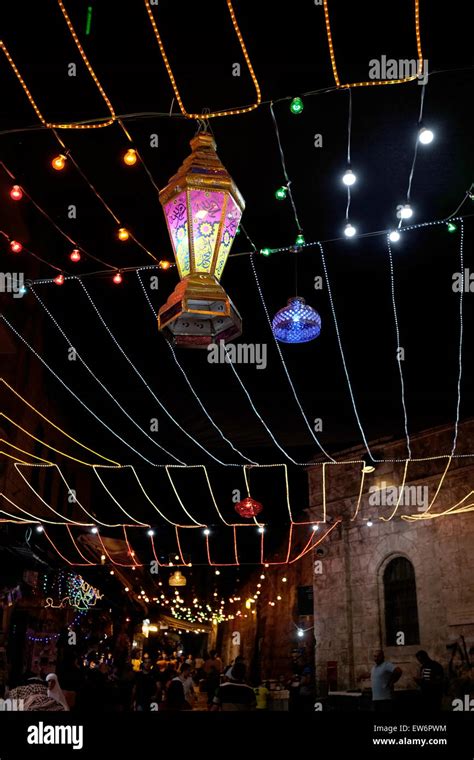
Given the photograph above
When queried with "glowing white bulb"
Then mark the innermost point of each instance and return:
(394, 236)
(425, 136)
(406, 211)
(349, 177)
(300, 633)
(315, 527)
(369, 523)
(94, 530)
(261, 529)
(150, 532)
(39, 528)
(349, 230)
(207, 532)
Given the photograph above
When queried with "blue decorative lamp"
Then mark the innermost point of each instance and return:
(296, 322)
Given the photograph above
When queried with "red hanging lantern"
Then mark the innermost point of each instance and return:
(248, 507)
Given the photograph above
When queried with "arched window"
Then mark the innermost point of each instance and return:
(401, 609)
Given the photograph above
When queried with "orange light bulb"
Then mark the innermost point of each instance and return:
(165, 264)
(59, 162)
(75, 255)
(130, 157)
(16, 193)
(123, 234)
(15, 246)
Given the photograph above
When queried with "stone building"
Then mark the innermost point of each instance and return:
(386, 576)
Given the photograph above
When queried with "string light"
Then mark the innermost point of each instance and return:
(117, 278)
(130, 158)
(296, 105)
(212, 114)
(59, 280)
(425, 136)
(349, 230)
(59, 162)
(15, 246)
(394, 236)
(406, 211)
(75, 255)
(281, 193)
(349, 177)
(373, 82)
(16, 193)
(123, 234)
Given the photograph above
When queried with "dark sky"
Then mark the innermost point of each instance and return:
(287, 45)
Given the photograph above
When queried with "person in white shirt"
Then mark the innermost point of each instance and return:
(384, 676)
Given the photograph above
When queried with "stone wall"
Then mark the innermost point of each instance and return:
(349, 618)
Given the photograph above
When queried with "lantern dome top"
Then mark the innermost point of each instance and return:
(202, 169)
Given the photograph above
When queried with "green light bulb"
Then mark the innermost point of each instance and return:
(451, 227)
(266, 251)
(299, 239)
(237, 232)
(296, 105)
(280, 194)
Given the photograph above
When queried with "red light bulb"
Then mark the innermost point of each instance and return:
(75, 255)
(16, 193)
(117, 278)
(59, 280)
(15, 246)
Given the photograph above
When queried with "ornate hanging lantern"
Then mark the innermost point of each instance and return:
(248, 507)
(296, 322)
(177, 579)
(203, 207)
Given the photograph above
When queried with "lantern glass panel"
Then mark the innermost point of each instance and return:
(229, 231)
(177, 221)
(206, 209)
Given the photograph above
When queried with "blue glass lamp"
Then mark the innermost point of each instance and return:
(296, 322)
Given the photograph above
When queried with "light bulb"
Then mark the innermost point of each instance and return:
(15, 246)
(218, 572)
(369, 523)
(425, 136)
(130, 157)
(300, 633)
(349, 230)
(39, 529)
(281, 193)
(296, 105)
(315, 527)
(451, 227)
(123, 234)
(59, 280)
(406, 211)
(164, 264)
(261, 529)
(59, 162)
(349, 177)
(94, 530)
(394, 236)
(102, 557)
(117, 278)
(299, 239)
(16, 193)
(207, 532)
(75, 255)
(150, 532)
(265, 251)
(284, 579)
